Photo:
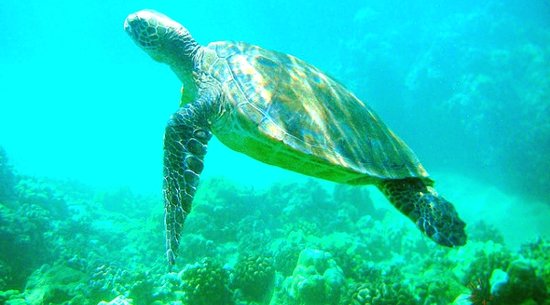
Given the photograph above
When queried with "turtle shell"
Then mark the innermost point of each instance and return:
(284, 111)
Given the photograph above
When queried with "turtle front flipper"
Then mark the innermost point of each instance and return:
(185, 140)
(431, 213)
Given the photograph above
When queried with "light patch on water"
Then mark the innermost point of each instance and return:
(518, 219)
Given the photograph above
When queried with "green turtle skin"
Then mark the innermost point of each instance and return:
(282, 111)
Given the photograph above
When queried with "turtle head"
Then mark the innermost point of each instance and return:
(166, 41)
(162, 38)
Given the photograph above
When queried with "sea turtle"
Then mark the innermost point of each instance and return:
(282, 111)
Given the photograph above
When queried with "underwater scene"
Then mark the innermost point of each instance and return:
(308, 194)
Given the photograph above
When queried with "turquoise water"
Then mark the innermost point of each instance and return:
(94, 104)
(82, 118)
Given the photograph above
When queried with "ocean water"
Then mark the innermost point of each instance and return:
(82, 115)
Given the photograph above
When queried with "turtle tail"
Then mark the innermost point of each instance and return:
(432, 214)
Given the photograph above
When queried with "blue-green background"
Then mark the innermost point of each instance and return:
(80, 100)
(465, 83)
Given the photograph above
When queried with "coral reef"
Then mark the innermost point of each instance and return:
(480, 77)
(120, 300)
(539, 253)
(7, 177)
(54, 285)
(12, 297)
(481, 291)
(381, 293)
(5, 275)
(254, 276)
(23, 229)
(285, 255)
(42, 194)
(316, 280)
(280, 249)
(487, 257)
(520, 284)
(204, 283)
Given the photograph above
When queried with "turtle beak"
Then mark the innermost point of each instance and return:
(128, 28)
(127, 24)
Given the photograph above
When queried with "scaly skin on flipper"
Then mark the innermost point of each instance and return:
(185, 141)
(431, 213)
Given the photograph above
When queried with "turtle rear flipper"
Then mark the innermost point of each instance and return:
(432, 214)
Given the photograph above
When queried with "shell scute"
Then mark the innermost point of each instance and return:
(311, 122)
